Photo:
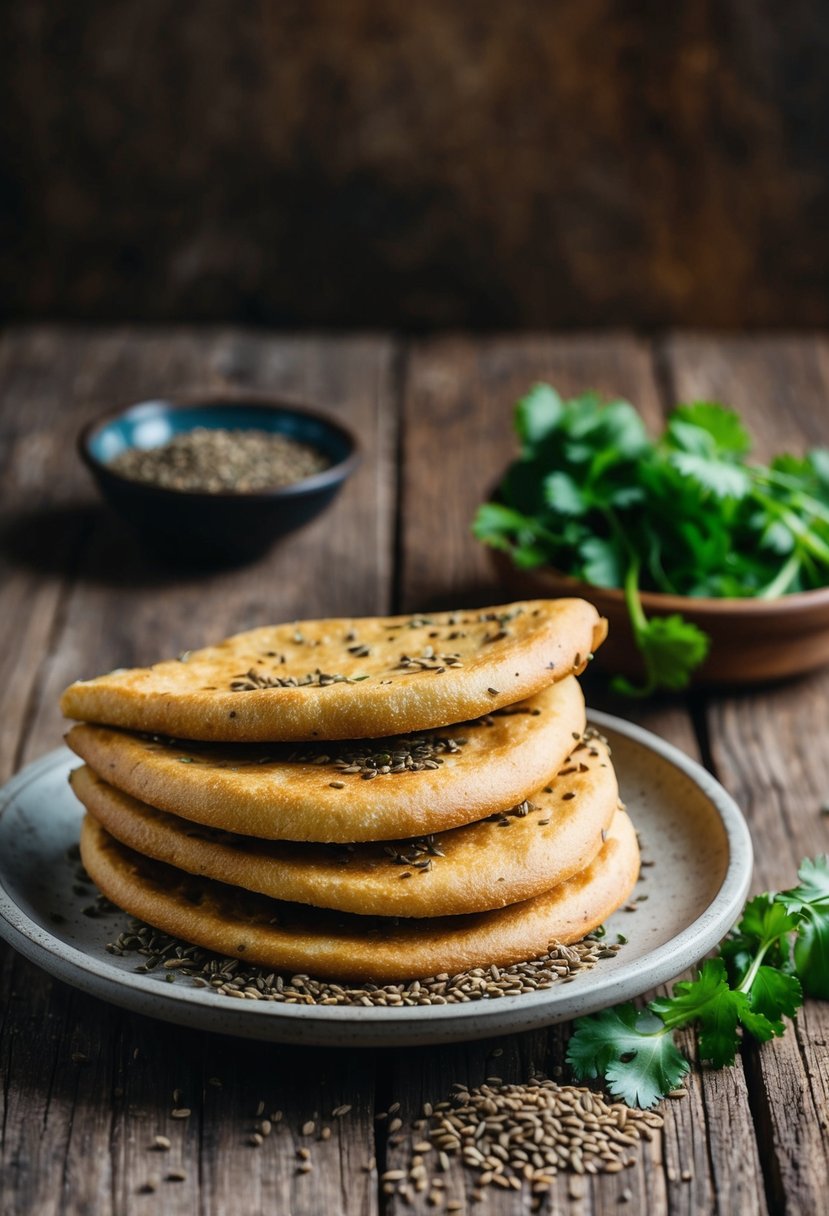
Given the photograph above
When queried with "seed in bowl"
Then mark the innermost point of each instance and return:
(211, 461)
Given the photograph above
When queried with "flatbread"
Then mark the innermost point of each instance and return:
(489, 864)
(349, 678)
(479, 768)
(292, 938)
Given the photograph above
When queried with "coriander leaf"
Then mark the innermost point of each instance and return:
(494, 523)
(671, 648)
(818, 460)
(764, 919)
(718, 477)
(774, 995)
(633, 1051)
(811, 901)
(811, 955)
(722, 426)
(691, 998)
(776, 536)
(813, 889)
(563, 495)
(602, 562)
(708, 1000)
(537, 414)
(623, 429)
(528, 556)
(760, 933)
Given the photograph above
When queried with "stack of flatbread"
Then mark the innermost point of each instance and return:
(378, 799)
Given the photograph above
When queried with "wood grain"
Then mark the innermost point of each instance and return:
(768, 749)
(79, 596)
(77, 1135)
(430, 165)
(457, 439)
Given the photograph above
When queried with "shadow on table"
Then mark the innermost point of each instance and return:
(85, 541)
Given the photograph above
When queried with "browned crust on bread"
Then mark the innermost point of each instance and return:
(543, 641)
(489, 864)
(252, 791)
(287, 937)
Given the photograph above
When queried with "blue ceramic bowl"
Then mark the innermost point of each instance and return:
(229, 525)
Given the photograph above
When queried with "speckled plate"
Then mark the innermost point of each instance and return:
(690, 829)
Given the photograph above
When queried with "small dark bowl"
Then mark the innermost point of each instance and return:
(227, 526)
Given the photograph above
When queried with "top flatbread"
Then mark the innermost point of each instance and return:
(349, 678)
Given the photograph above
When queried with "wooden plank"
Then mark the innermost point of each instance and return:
(76, 1135)
(766, 749)
(457, 440)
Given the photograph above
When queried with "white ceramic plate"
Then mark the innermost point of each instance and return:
(690, 829)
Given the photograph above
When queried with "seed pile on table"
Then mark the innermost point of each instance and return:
(373, 843)
(514, 1136)
(213, 461)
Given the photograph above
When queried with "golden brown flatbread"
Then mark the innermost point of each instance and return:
(349, 678)
(290, 793)
(497, 861)
(294, 938)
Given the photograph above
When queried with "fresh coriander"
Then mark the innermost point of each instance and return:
(592, 495)
(778, 950)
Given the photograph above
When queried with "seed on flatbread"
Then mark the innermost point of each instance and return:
(425, 782)
(468, 869)
(316, 688)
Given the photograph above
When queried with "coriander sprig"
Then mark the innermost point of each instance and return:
(687, 514)
(778, 950)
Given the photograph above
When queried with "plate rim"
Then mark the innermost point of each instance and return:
(468, 1020)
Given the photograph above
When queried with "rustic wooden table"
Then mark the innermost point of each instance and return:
(77, 598)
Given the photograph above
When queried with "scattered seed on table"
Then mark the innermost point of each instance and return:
(162, 1143)
(264, 1128)
(339, 1111)
(181, 1112)
(309, 1128)
(78, 1057)
(255, 1139)
(176, 1176)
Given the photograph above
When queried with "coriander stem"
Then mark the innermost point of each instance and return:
(751, 974)
(781, 581)
(634, 603)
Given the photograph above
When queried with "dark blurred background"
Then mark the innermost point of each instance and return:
(417, 165)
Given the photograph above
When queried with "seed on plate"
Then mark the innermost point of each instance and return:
(231, 978)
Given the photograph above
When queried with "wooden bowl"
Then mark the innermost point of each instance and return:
(751, 640)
